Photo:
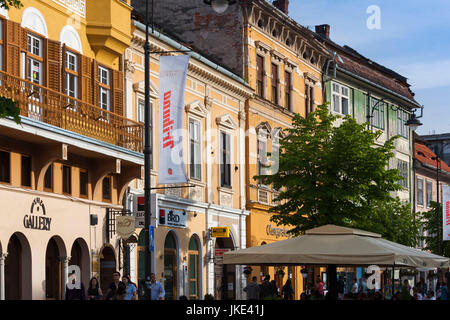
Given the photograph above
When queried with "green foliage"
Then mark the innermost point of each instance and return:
(7, 4)
(9, 108)
(430, 221)
(335, 175)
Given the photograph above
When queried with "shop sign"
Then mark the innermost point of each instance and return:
(220, 252)
(125, 226)
(276, 232)
(172, 218)
(220, 232)
(35, 220)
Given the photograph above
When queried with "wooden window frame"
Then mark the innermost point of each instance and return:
(7, 182)
(51, 178)
(287, 89)
(110, 189)
(223, 156)
(40, 59)
(378, 113)
(104, 86)
(69, 182)
(420, 192)
(274, 96)
(68, 71)
(199, 143)
(340, 97)
(428, 200)
(86, 196)
(22, 156)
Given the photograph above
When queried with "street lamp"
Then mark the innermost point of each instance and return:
(219, 6)
(413, 122)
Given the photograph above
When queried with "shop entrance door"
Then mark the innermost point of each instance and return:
(107, 267)
(170, 267)
(52, 271)
(13, 268)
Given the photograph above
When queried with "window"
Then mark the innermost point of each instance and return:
(420, 191)
(106, 188)
(141, 110)
(83, 183)
(402, 167)
(48, 178)
(259, 76)
(274, 96)
(71, 74)
(429, 192)
(5, 167)
(193, 269)
(287, 90)
(402, 128)
(1, 44)
(262, 154)
(104, 88)
(67, 179)
(309, 99)
(26, 171)
(340, 99)
(377, 109)
(225, 160)
(34, 59)
(195, 149)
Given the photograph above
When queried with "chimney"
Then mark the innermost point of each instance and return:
(283, 5)
(323, 30)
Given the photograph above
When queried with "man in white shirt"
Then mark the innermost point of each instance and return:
(355, 288)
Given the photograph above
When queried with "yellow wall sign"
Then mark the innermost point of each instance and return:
(220, 232)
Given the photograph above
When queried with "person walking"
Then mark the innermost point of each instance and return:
(340, 288)
(405, 293)
(114, 286)
(320, 286)
(287, 291)
(130, 289)
(72, 292)
(355, 288)
(430, 295)
(362, 287)
(94, 291)
(275, 290)
(156, 289)
(266, 290)
(252, 289)
(445, 291)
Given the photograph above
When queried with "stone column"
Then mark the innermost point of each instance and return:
(2, 275)
(65, 267)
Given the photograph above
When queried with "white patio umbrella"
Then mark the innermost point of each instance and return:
(333, 245)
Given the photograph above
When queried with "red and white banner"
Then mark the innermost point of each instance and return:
(446, 212)
(172, 81)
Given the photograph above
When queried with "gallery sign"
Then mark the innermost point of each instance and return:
(446, 213)
(37, 219)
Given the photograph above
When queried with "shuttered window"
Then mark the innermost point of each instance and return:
(71, 74)
(67, 179)
(35, 59)
(309, 99)
(259, 76)
(195, 149)
(13, 46)
(287, 90)
(274, 97)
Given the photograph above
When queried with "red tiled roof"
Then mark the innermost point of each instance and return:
(424, 155)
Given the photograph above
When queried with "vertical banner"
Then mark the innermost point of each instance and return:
(172, 81)
(446, 212)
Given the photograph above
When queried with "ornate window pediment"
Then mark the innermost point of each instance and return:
(261, 46)
(226, 121)
(197, 108)
(140, 87)
(264, 127)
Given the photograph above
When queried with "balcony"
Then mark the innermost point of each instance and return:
(57, 109)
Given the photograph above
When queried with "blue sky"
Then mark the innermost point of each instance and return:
(414, 40)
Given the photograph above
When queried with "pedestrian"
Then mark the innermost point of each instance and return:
(355, 288)
(388, 290)
(75, 291)
(275, 290)
(421, 285)
(156, 288)
(94, 290)
(417, 294)
(130, 289)
(430, 295)
(287, 291)
(266, 289)
(134, 284)
(252, 289)
(445, 289)
(362, 287)
(114, 286)
(320, 286)
(405, 292)
(340, 288)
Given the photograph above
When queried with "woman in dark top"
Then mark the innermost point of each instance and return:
(288, 291)
(94, 291)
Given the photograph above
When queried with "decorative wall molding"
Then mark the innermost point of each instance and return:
(76, 6)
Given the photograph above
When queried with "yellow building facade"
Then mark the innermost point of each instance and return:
(187, 259)
(284, 68)
(66, 167)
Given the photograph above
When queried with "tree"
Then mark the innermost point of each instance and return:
(8, 107)
(7, 4)
(429, 226)
(333, 175)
